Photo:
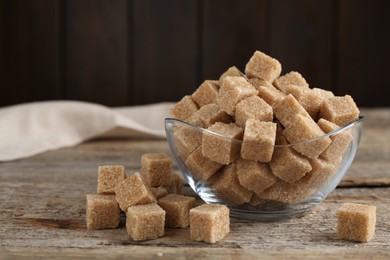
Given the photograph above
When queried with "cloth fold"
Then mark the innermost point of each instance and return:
(32, 128)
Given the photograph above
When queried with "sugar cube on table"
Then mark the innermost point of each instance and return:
(223, 147)
(259, 140)
(291, 78)
(201, 166)
(304, 128)
(177, 208)
(159, 192)
(339, 110)
(108, 177)
(102, 211)
(145, 222)
(232, 91)
(209, 223)
(252, 107)
(228, 187)
(175, 186)
(206, 93)
(356, 222)
(254, 176)
(184, 108)
(262, 66)
(156, 169)
(133, 191)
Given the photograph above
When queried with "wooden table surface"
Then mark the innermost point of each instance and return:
(42, 208)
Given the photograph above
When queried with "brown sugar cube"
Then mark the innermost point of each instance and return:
(201, 166)
(133, 191)
(324, 93)
(286, 109)
(228, 187)
(156, 169)
(263, 66)
(234, 89)
(176, 185)
(253, 108)
(254, 176)
(291, 78)
(322, 172)
(186, 140)
(209, 223)
(102, 211)
(206, 93)
(267, 91)
(222, 148)
(310, 100)
(304, 128)
(212, 113)
(259, 140)
(108, 178)
(356, 222)
(177, 208)
(340, 141)
(159, 192)
(184, 108)
(339, 110)
(289, 165)
(196, 120)
(145, 222)
(233, 72)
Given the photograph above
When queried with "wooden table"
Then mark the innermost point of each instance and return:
(42, 208)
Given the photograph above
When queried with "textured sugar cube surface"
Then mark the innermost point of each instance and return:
(102, 211)
(286, 109)
(222, 148)
(206, 93)
(175, 186)
(356, 222)
(289, 165)
(259, 140)
(304, 128)
(177, 208)
(209, 223)
(252, 108)
(254, 176)
(267, 91)
(232, 72)
(159, 192)
(291, 78)
(310, 100)
(145, 222)
(184, 108)
(156, 169)
(339, 110)
(234, 89)
(227, 186)
(262, 66)
(186, 140)
(133, 191)
(212, 113)
(108, 177)
(201, 166)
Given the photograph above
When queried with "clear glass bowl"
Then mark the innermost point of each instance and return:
(217, 183)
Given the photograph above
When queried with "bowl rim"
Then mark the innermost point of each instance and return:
(340, 129)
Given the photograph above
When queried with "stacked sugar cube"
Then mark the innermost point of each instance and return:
(152, 200)
(256, 111)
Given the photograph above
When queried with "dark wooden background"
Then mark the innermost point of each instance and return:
(127, 52)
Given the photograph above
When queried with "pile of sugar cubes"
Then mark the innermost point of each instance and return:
(152, 200)
(262, 109)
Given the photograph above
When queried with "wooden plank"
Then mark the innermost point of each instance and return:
(231, 32)
(164, 50)
(300, 36)
(96, 51)
(29, 63)
(364, 39)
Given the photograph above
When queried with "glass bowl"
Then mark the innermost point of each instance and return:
(250, 189)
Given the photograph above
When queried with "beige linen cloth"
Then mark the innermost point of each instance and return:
(32, 128)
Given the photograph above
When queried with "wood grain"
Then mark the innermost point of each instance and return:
(43, 208)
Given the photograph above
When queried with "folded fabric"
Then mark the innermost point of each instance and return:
(32, 128)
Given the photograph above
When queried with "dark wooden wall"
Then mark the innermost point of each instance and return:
(127, 52)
